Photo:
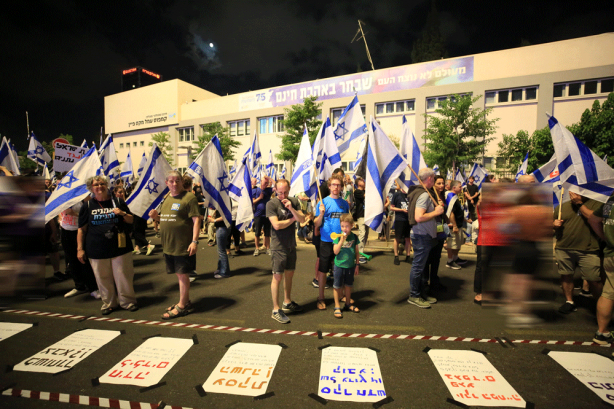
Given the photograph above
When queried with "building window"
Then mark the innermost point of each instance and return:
(185, 134)
(503, 96)
(394, 107)
(134, 144)
(347, 166)
(121, 146)
(488, 161)
(239, 128)
(435, 102)
(335, 114)
(181, 170)
(589, 87)
(271, 124)
(142, 143)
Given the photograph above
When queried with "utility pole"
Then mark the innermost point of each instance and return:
(362, 35)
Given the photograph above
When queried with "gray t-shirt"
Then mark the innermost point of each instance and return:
(283, 239)
(428, 228)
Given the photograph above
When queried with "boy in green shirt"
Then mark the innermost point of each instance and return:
(346, 252)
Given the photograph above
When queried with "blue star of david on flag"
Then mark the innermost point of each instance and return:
(71, 180)
(152, 186)
(341, 127)
(221, 179)
(39, 150)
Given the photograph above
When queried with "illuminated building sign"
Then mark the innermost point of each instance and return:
(153, 74)
(129, 71)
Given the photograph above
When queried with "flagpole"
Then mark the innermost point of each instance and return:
(561, 202)
(28, 124)
(317, 184)
(422, 184)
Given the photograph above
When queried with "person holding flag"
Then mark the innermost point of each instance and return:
(180, 228)
(104, 222)
(260, 197)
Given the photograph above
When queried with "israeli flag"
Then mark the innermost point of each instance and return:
(84, 144)
(37, 152)
(233, 170)
(522, 169)
(547, 171)
(435, 168)
(141, 165)
(479, 174)
(240, 190)
(384, 164)
(270, 167)
(580, 170)
(283, 172)
(361, 150)
(449, 175)
(15, 156)
(127, 173)
(459, 177)
(209, 168)
(151, 188)
(253, 153)
(72, 189)
(303, 178)
(451, 198)
(108, 158)
(350, 127)
(328, 157)
(7, 159)
(411, 152)
(46, 174)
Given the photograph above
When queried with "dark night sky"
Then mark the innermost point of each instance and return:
(60, 58)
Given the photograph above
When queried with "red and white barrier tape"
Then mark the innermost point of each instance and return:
(287, 332)
(84, 400)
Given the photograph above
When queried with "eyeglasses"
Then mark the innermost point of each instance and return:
(335, 184)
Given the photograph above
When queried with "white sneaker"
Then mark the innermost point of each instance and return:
(256, 252)
(95, 294)
(268, 251)
(150, 248)
(74, 292)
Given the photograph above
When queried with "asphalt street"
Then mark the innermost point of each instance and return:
(244, 302)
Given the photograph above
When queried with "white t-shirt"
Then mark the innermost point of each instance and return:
(68, 222)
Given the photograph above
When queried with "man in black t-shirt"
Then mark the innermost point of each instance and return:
(359, 216)
(473, 195)
(402, 230)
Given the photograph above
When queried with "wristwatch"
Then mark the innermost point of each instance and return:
(195, 241)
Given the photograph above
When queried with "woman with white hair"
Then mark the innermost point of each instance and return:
(104, 240)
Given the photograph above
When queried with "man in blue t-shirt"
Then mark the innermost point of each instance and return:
(260, 197)
(327, 219)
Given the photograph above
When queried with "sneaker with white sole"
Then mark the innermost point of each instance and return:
(268, 252)
(429, 299)
(136, 251)
(291, 307)
(453, 265)
(587, 294)
(568, 308)
(418, 302)
(256, 252)
(603, 339)
(95, 294)
(74, 292)
(460, 261)
(150, 248)
(362, 260)
(279, 316)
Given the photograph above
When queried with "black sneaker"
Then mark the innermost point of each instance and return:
(453, 265)
(568, 308)
(58, 275)
(460, 261)
(407, 259)
(315, 283)
(396, 261)
(291, 307)
(586, 294)
(603, 339)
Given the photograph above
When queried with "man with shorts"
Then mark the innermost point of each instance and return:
(260, 197)
(401, 223)
(283, 213)
(456, 215)
(577, 246)
(179, 219)
(327, 219)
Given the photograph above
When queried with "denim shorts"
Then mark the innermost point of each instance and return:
(343, 277)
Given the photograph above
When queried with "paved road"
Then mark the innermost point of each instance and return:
(243, 301)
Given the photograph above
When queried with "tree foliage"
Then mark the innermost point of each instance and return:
(596, 128)
(227, 143)
(458, 133)
(295, 119)
(515, 147)
(163, 140)
(431, 45)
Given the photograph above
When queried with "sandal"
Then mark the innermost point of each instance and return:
(108, 311)
(343, 300)
(181, 312)
(351, 307)
(321, 305)
(338, 313)
(188, 307)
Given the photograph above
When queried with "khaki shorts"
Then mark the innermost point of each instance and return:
(283, 260)
(455, 241)
(608, 286)
(569, 260)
